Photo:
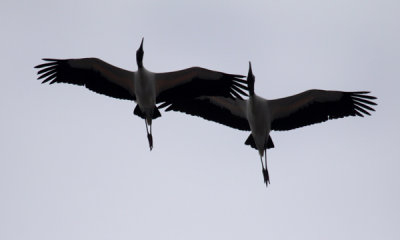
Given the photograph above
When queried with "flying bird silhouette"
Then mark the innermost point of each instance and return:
(145, 87)
(260, 115)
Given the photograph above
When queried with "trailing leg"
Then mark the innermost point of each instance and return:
(265, 172)
(265, 169)
(149, 136)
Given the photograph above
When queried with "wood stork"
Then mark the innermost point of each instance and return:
(260, 115)
(145, 87)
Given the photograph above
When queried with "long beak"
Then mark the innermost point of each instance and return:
(141, 44)
(250, 70)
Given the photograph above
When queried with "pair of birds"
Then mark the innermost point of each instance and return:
(212, 95)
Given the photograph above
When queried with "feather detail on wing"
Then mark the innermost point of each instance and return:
(226, 111)
(195, 82)
(315, 106)
(92, 73)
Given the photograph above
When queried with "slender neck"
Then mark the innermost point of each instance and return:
(139, 56)
(250, 81)
(139, 60)
(251, 88)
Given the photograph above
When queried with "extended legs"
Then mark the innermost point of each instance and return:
(149, 135)
(265, 169)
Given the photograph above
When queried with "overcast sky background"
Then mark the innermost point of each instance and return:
(76, 165)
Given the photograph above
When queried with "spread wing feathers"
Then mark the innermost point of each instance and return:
(315, 106)
(92, 73)
(195, 82)
(226, 111)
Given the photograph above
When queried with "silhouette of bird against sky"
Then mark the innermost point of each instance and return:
(260, 115)
(142, 86)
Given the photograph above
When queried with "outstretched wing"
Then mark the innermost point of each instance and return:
(315, 106)
(195, 82)
(226, 111)
(92, 73)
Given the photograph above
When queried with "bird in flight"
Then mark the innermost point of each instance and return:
(260, 115)
(144, 87)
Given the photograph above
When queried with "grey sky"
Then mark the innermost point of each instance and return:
(76, 165)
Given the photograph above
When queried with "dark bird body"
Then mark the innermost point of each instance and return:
(260, 116)
(145, 87)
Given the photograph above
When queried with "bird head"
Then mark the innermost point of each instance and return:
(250, 81)
(139, 55)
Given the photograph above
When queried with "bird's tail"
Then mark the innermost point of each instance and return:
(156, 113)
(138, 112)
(250, 141)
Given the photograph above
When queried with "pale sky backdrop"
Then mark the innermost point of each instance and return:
(76, 165)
